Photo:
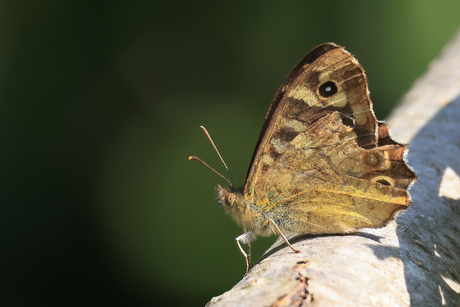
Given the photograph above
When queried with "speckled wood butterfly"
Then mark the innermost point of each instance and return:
(323, 164)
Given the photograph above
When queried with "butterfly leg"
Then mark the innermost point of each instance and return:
(278, 230)
(248, 242)
(245, 238)
(249, 253)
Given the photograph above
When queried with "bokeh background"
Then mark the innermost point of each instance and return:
(100, 106)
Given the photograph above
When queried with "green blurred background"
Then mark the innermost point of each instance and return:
(100, 106)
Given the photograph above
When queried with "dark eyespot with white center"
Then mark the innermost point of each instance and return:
(327, 89)
(371, 159)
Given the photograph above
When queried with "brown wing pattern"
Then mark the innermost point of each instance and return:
(308, 59)
(298, 103)
(323, 163)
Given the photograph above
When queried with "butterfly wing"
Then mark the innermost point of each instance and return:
(321, 165)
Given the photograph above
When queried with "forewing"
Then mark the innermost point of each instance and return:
(300, 101)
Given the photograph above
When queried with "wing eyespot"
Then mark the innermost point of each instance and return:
(384, 182)
(327, 89)
(372, 159)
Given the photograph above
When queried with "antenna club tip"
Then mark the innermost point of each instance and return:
(205, 131)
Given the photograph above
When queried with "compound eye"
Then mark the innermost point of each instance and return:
(229, 199)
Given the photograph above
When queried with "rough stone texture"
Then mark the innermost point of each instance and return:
(414, 261)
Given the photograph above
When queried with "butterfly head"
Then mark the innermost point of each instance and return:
(225, 198)
(228, 199)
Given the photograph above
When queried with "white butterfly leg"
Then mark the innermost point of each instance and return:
(245, 238)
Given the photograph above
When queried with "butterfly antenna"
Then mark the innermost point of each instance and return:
(204, 163)
(221, 159)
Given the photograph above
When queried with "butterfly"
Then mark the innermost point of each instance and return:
(323, 164)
